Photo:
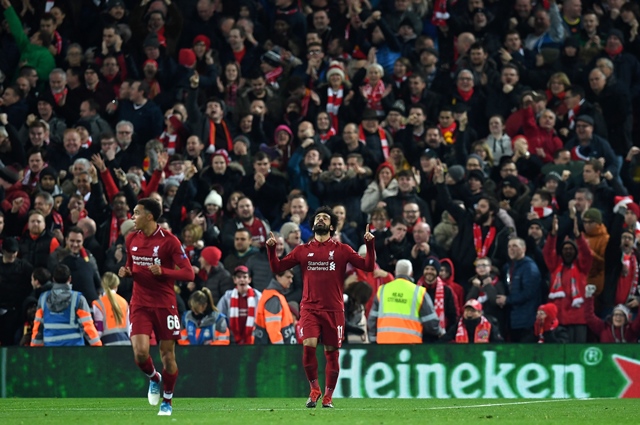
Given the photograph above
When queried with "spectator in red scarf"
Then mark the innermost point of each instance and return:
(546, 327)
(443, 299)
(239, 305)
(474, 328)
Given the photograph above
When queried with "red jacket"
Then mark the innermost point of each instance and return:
(605, 330)
(458, 291)
(539, 137)
(567, 314)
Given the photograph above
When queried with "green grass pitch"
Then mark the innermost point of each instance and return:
(288, 411)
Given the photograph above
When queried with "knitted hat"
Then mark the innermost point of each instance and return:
(624, 309)
(115, 3)
(49, 171)
(213, 198)
(433, 262)
(476, 174)
(287, 228)
(126, 226)
(243, 139)
(223, 153)
(616, 33)
(398, 106)
(429, 50)
(456, 172)
(187, 57)
(285, 128)
(202, 39)
(171, 182)
(585, 118)
(552, 175)
(474, 304)
(211, 255)
(634, 208)
(512, 181)
(273, 58)
(335, 67)
(593, 214)
(570, 242)
(386, 165)
(151, 41)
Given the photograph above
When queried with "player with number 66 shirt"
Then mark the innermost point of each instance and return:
(323, 262)
(155, 260)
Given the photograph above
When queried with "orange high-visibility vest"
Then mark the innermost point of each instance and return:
(274, 328)
(399, 313)
(113, 333)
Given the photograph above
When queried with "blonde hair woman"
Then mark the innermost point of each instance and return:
(111, 313)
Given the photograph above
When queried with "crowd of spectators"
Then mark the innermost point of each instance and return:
(496, 136)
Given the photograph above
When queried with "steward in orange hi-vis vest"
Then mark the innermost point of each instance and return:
(274, 321)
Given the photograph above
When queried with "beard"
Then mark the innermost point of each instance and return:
(320, 229)
(481, 218)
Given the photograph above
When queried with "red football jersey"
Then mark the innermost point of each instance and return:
(323, 266)
(161, 248)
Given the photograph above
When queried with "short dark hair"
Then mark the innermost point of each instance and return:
(42, 275)
(75, 229)
(576, 91)
(151, 206)
(325, 209)
(61, 274)
(545, 195)
(493, 202)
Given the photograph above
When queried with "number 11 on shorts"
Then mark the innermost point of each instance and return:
(339, 328)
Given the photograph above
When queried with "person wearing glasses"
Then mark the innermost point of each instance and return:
(485, 287)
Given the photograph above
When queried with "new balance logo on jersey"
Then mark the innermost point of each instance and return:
(310, 254)
(135, 248)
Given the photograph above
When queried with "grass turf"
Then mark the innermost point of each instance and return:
(292, 411)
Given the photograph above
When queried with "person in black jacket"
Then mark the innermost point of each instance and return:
(480, 232)
(15, 275)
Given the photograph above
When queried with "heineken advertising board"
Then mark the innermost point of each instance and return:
(392, 371)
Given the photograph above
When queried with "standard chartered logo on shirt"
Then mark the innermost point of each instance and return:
(325, 266)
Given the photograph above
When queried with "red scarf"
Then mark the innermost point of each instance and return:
(329, 134)
(114, 229)
(465, 95)
(84, 255)
(614, 52)
(482, 247)
(438, 300)
(559, 96)
(374, 95)
(628, 280)
(212, 135)
(58, 96)
(542, 212)
(169, 141)
(244, 335)
(383, 139)
(399, 80)
(449, 133)
(304, 103)
(161, 38)
(240, 55)
(272, 76)
(481, 335)
(548, 324)
(440, 14)
(334, 100)
(556, 287)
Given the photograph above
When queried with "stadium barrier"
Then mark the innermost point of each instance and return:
(418, 371)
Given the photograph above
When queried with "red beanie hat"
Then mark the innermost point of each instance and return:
(634, 208)
(187, 57)
(211, 255)
(202, 39)
(223, 153)
(386, 165)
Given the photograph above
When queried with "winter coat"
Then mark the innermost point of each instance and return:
(605, 330)
(598, 243)
(569, 312)
(523, 283)
(372, 195)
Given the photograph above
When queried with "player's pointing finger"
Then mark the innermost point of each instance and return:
(368, 225)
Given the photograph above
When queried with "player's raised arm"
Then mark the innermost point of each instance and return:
(272, 240)
(368, 236)
(277, 265)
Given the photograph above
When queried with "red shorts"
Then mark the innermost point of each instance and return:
(163, 322)
(328, 326)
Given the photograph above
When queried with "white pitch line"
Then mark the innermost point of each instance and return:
(223, 408)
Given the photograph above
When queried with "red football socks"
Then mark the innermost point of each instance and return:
(310, 364)
(331, 372)
(149, 370)
(169, 383)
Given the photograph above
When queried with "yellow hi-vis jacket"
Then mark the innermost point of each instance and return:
(398, 315)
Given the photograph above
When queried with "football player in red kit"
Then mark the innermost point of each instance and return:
(155, 259)
(323, 262)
